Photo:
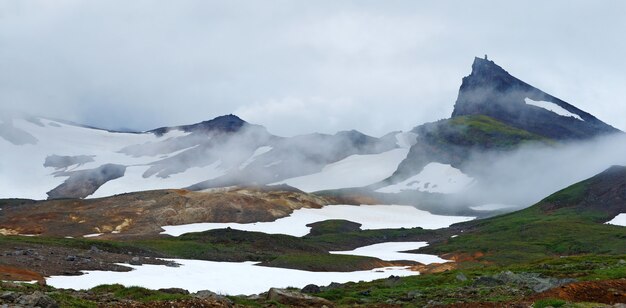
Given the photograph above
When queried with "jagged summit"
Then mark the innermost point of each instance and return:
(490, 90)
(226, 123)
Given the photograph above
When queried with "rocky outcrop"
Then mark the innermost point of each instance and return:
(296, 299)
(23, 299)
(529, 280)
(83, 183)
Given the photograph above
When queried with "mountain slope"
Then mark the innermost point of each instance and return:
(492, 91)
(569, 222)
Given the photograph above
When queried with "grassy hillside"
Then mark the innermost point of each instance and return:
(569, 222)
(452, 141)
(477, 131)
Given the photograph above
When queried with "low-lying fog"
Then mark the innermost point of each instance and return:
(534, 172)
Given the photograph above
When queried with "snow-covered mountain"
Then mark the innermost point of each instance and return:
(49, 158)
(494, 113)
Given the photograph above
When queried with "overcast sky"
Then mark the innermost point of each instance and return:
(299, 66)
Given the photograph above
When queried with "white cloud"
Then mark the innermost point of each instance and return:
(144, 64)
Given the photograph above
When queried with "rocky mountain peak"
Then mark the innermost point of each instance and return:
(490, 90)
(227, 124)
(484, 69)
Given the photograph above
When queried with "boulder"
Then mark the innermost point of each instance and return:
(296, 299)
(206, 294)
(37, 299)
(174, 291)
(311, 289)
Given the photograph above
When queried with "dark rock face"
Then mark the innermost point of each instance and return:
(83, 183)
(492, 91)
(226, 124)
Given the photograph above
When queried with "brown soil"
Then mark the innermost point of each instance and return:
(464, 257)
(601, 291)
(442, 267)
(143, 213)
(31, 262)
(434, 268)
(11, 273)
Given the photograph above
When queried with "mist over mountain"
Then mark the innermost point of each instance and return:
(504, 138)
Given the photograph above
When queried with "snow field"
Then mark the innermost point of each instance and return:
(434, 178)
(369, 216)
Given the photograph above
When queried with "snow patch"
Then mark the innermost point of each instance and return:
(369, 216)
(353, 171)
(552, 107)
(434, 178)
(391, 251)
(93, 235)
(230, 278)
(619, 220)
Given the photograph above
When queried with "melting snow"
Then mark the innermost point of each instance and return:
(552, 107)
(93, 235)
(435, 178)
(619, 220)
(391, 251)
(370, 216)
(353, 171)
(220, 277)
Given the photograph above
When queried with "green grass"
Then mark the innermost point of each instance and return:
(67, 300)
(549, 302)
(333, 226)
(562, 224)
(445, 288)
(531, 234)
(136, 293)
(478, 131)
